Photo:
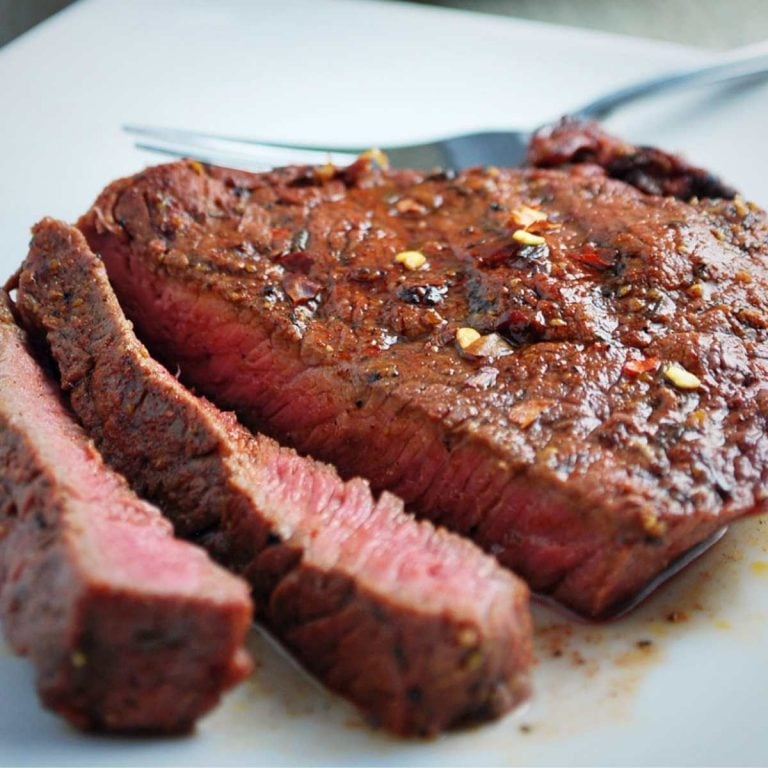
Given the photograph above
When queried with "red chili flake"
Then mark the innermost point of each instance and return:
(300, 288)
(641, 365)
(496, 252)
(297, 261)
(596, 258)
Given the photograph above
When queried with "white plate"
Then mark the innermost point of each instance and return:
(378, 73)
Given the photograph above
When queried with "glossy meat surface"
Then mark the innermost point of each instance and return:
(415, 625)
(649, 169)
(611, 416)
(128, 628)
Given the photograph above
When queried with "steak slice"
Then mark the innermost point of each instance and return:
(128, 629)
(610, 417)
(415, 625)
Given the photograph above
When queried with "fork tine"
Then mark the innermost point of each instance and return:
(255, 161)
(185, 134)
(223, 149)
(227, 160)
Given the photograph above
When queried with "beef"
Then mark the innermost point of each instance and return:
(415, 625)
(651, 170)
(128, 628)
(610, 416)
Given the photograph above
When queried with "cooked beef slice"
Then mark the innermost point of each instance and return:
(651, 170)
(611, 416)
(415, 625)
(128, 628)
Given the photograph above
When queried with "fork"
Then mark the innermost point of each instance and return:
(505, 148)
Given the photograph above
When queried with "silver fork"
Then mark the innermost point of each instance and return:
(505, 148)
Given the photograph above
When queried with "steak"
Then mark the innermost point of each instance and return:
(649, 169)
(415, 625)
(563, 367)
(128, 628)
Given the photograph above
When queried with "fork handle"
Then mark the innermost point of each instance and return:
(731, 69)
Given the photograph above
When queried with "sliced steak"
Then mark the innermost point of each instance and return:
(128, 629)
(610, 417)
(415, 625)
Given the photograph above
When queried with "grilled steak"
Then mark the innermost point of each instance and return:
(568, 370)
(415, 625)
(128, 629)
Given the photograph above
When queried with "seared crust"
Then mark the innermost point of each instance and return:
(564, 447)
(649, 169)
(413, 624)
(127, 628)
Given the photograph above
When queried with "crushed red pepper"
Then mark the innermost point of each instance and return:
(641, 365)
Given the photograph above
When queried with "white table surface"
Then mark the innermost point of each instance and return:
(364, 72)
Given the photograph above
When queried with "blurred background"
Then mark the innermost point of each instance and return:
(716, 24)
(17, 16)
